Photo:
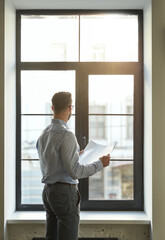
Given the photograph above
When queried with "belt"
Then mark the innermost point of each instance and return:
(66, 183)
(70, 184)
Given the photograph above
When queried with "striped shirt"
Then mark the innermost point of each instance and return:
(58, 152)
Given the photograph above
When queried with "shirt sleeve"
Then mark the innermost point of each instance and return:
(70, 158)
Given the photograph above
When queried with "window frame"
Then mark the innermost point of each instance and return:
(83, 69)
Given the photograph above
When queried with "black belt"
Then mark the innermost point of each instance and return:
(49, 184)
(67, 183)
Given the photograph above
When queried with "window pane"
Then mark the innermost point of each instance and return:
(111, 94)
(110, 130)
(113, 183)
(38, 87)
(31, 130)
(32, 127)
(31, 191)
(49, 38)
(109, 37)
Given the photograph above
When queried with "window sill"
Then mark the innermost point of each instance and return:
(85, 218)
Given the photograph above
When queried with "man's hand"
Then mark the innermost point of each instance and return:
(81, 152)
(105, 160)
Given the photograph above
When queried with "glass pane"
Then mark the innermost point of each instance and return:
(109, 37)
(31, 191)
(113, 183)
(32, 127)
(38, 87)
(49, 38)
(110, 130)
(116, 94)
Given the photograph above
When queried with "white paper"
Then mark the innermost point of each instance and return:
(93, 151)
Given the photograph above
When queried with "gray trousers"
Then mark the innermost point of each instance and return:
(62, 205)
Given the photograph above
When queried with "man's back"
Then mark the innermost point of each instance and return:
(49, 151)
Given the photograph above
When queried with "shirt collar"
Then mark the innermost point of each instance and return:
(59, 121)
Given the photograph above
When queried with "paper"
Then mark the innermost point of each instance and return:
(93, 152)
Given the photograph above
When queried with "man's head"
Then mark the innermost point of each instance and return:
(61, 102)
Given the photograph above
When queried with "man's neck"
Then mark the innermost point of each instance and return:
(63, 118)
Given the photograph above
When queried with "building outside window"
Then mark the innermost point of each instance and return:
(97, 56)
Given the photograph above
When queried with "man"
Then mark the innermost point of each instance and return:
(59, 161)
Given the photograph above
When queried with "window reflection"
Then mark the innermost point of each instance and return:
(31, 183)
(109, 38)
(111, 121)
(113, 183)
(113, 92)
(49, 38)
(41, 86)
(103, 38)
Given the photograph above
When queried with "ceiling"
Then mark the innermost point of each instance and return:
(79, 4)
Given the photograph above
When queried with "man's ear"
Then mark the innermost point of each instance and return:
(70, 108)
(52, 108)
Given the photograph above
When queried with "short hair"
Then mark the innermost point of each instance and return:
(61, 100)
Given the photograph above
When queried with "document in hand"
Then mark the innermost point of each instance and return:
(93, 151)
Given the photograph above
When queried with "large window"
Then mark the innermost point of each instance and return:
(97, 56)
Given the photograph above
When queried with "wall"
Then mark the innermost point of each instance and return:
(158, 117)
(122, 232)
(10, 108)
(1, 119)
(79, 4)
(148, 109)
(9, 115)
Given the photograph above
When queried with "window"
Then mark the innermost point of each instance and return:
(97, 56)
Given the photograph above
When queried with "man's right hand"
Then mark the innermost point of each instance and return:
(105, 160)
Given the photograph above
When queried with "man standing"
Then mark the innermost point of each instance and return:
(59, 162)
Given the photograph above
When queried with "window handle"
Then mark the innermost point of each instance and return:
(84, 141)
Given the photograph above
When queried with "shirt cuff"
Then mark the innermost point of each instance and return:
(99, 165)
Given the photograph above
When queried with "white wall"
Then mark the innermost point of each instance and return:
(10, 111)
(10, 108)
(79, 4)
(1, 119)
(158, 117)
(148, 108)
